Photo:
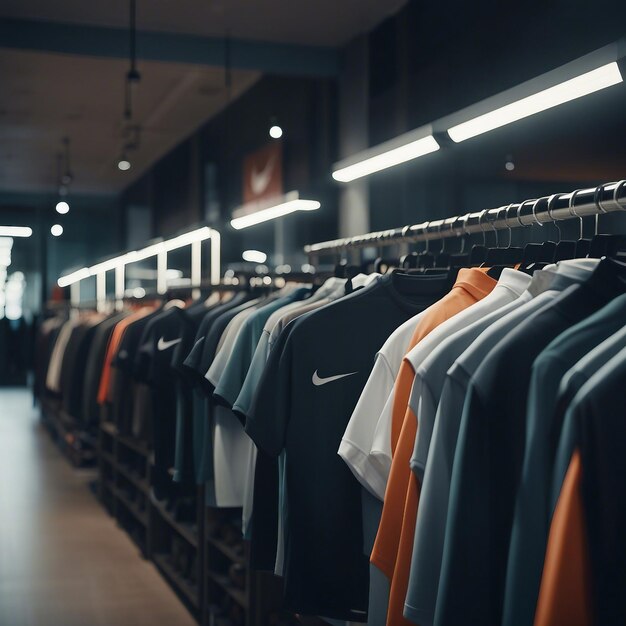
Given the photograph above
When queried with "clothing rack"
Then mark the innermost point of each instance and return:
(605, 198)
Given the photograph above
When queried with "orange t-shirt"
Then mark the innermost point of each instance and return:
(397, 524)
(565, 592)
(112, 348)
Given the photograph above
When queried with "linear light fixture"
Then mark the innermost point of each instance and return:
(191, 237)
(254, 213)
(254, 256)
(111, 264)
(74, 277)
(386, 158)
(15, 231)
(581, 85)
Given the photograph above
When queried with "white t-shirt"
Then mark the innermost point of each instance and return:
(359, 435)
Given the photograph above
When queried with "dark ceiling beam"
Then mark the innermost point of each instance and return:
(98, 41)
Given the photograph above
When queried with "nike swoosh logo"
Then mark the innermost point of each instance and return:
(259, 181)
(318, 381)
(164, 345)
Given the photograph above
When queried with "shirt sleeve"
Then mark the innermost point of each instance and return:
(241, 406)
(358, 438)
(268, 417)
(229, 385)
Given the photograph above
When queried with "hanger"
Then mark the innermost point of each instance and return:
(601, 244)
(461, 259)
(478, 254)
(442, 260)
(498, 258)
(582, 245)
(426, 259)
(564, 249)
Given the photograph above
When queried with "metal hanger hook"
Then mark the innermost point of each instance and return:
(480, 224)
(506, 221)
(572, 210)
(597, 198)
(551, 201)
(535, 203)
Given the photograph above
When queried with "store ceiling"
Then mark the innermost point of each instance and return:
(46, 96)
(319, 23)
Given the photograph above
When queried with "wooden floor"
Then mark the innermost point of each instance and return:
(63, 561)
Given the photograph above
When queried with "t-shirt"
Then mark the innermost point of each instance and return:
(431, 520)
(490, 451)
(565, 592)
(431, 359)
(356, 442)
(597, 420)
(451, 313)
(53, 376)
(93, 368)
(532, 515)
(153, 367)
(302, 406)
(471, 285)
(191, 370)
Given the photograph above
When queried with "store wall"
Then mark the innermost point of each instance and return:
(432, 59)
(202, 179)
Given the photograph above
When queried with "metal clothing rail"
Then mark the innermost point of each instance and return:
(605, 198)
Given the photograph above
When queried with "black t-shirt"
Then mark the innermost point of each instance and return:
(490, 451)
(302, 406)
(121, 383)
(93, 369)
(73, 368)
(184, 466)
(153, 367)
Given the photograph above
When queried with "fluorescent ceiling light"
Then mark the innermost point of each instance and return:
(389, 158)
(254, 256)
(6, 243)
(74, 277)
(15, 231)
(272, 212)
(582, 85)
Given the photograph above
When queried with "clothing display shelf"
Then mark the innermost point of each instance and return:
(593, 201)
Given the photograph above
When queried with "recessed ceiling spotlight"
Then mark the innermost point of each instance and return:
(62, 207)
(123, 164)
(56, 230)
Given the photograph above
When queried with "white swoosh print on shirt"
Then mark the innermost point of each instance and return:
(164, 345)
(318, 381)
